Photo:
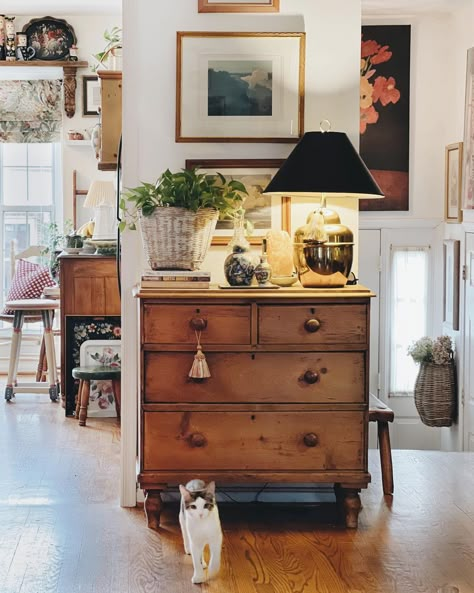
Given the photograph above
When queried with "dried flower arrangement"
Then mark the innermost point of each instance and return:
(438, 350)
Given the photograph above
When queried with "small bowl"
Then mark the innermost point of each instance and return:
(283, 280)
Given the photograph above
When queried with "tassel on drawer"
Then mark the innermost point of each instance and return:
(199, 369)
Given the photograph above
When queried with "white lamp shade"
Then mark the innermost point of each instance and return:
(100, 193)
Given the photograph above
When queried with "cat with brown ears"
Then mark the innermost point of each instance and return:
(201, 527)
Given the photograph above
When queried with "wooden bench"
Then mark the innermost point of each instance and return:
(382, 414)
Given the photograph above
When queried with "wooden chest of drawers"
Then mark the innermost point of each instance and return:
(287, 400)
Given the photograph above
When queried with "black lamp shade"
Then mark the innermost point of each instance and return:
(324, 163)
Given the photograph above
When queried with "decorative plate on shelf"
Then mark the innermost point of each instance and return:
(50, 37)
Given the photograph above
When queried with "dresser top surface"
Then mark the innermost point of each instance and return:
(293, 292)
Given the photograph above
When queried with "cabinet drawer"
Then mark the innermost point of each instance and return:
(253, 441)
(273, 377)
(171, 324)
(312, 325)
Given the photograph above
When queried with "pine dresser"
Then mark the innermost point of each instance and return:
(287, 400)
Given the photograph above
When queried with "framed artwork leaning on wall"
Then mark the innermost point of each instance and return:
(452, 193)
(264, 212)
(240, 87)
(468, 147)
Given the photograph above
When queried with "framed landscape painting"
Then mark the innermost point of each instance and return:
(240, 87)
(238, 5)
(264, 212)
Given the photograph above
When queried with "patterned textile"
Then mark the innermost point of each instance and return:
(30, 110)
(28, 282)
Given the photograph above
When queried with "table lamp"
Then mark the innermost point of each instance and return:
(101, 197)
(323, 164)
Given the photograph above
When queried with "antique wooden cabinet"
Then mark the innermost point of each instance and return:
(287, 400)
(111, 118)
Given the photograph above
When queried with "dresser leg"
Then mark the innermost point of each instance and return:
(153, 508)
(351, 505)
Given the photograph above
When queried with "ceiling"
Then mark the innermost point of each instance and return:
(85, 7)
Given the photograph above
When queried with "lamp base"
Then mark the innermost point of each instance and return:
(323, 265)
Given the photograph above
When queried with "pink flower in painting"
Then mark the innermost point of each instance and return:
(383, 55)
(369, 48)
(117, 331)
(385, 91)
(103, 403)
(368, 116)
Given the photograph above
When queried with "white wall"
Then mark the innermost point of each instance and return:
(332, 92)
(89, 32)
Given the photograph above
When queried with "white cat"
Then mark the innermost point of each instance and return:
(200, 525)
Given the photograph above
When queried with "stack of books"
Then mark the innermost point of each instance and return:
(174, 279)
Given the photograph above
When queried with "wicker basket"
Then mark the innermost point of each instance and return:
(176, 238)
(435, 393)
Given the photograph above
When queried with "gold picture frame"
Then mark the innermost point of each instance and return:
(239, 87)
(274, 212)
(236, 6)
(453, 186)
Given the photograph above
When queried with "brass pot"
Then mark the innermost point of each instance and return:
(325, 263)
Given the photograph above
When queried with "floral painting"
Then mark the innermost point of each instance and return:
(384, 112)
(101, 353)
(78, 330)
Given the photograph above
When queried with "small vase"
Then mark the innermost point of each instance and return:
(239, 265)
(263, 271)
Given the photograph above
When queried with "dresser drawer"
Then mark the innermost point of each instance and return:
(312, 325)
(171, 324)
(253, 441)
(274, 377)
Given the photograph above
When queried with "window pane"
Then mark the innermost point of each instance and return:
(15, 190)
(14, 155)
(40, 187)
(40, 155)
(409, 314)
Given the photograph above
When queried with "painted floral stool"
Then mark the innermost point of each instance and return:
(94, 373)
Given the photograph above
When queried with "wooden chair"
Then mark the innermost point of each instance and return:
(382, 414)
(97, 373)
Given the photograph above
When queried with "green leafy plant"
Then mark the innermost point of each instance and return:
(114, 41)
(185, 189)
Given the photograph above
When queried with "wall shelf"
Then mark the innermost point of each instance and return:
(69, 71)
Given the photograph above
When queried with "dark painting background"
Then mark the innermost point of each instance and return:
(384, 146)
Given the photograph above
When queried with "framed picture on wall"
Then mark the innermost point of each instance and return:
(240, 87)
(451, 252)
(238, 6)
(90, 95)
(264, 212)
(452, 194)
(468, 148)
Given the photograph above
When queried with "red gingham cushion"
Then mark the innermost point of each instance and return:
(28, 282)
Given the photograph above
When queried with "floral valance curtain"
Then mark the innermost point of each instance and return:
(30, 110)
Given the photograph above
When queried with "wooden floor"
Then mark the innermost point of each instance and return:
(62, 530)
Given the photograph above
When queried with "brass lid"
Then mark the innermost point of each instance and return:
(337, 233)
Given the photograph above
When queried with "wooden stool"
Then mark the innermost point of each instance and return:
(382, 414)
(85, 376)
(27, 308)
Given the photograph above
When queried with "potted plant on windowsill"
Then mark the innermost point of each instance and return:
(177, 215)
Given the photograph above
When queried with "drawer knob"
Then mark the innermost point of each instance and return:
(311, 377)
(310, 439)
(198, 324)
(312, 325)
(198, 440)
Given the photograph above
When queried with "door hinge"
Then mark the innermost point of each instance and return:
(464, 272)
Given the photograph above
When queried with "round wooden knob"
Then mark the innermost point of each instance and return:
(198, 324)
(311, 377)
(310, 439)
(312, 325)
(198, 440)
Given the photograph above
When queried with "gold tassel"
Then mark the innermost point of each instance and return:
(199, 369)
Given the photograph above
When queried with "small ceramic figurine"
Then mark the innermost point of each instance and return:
(10, 55)
(2, 37)
(73, 53)
(23, 52)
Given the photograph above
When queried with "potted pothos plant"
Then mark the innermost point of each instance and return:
(177, 215)
(112, 49)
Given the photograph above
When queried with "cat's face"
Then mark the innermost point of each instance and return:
(200, 503)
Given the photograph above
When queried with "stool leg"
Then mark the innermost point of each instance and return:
(78, 402)
(42, 363)
(14, 354)
(50, 355)
(117, 395)
(385, 457)
(85, 391)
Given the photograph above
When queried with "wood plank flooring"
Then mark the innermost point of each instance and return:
(62, 530)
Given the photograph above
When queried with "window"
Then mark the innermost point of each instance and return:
(29, 194)
(409, 273)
